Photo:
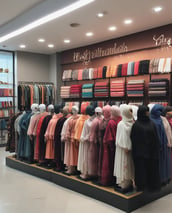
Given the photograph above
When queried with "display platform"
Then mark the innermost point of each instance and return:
(126, 202)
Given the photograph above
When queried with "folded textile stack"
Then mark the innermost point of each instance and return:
(101, 89)
(67, 75)
(117, 88)
(75, 91)
(87, 90)
(164, 65)
(65, 92)
(4, 104)
(6, 92)
(135, 88)
(158, 87)
(74, 75)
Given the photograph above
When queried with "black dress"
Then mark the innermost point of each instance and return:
(145, 151)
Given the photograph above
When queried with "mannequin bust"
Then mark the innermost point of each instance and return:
(72, 158)
(50, 109)
(34, 107)
(42, 108)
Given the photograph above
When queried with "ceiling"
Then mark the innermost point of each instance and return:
(17, 13)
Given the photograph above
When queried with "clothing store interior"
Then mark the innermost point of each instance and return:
(86, 106)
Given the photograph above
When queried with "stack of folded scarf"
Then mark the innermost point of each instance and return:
(135, 88)
(101, 89)
(158, 87)
(67, 75)
(87, 90)
(75, 91)
(65, 92)
(117, 88)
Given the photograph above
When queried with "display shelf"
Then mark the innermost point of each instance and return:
(126, 202)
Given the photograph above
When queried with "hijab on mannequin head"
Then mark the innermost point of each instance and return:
(115, 112)
(127, 113)
(75, 110)
(121, 107)
(156, 111)
(107, 112)
(143, 113)
(50, 108)
(34, 107)
(65, 110)
(42, 108)
(98, 111)
(57, 108)
(90, 110)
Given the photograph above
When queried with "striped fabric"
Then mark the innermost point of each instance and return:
(87, 90)
(117, 88)
(135, 88)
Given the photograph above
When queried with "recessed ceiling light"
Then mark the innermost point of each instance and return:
(66, 41)
(89, 34)
(112, 28)
(41, 40)
(22, 46)
(128, 21)
(54, 15)
(157, 9)
(100, 15)
(51, 45)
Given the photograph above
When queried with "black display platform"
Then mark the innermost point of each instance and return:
(127, 202)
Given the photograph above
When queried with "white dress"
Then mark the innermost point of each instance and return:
(84, 146)
(123, 167)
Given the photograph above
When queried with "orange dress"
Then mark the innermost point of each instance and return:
(71, 153)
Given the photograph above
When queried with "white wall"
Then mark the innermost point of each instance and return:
(32, 67)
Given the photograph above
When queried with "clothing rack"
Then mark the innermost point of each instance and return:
(35, 82)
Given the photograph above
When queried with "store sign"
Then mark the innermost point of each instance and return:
(87, 55)
(162, 41)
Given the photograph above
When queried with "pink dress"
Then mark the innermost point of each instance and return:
(49, 136)
(93, 152)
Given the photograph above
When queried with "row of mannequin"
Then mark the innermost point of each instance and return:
(120, 146)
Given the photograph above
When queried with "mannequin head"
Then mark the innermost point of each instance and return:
(90, 110)
(98, 111)
(75, 110)
(65, 111)
(34, 107)
(42, 108)
(107, 112)
(115, 112)
(127, 113)
(50, 108)
(143, 113)
(156, 111)
(57, 108)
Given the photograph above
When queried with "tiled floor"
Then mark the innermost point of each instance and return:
(23, 193)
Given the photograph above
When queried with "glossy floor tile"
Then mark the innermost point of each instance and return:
(23, 193)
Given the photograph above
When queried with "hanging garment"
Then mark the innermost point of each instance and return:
(123, 167)
(163, 155)
(107, 177)
(145, 152)
(83, 164)
(71, 154)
